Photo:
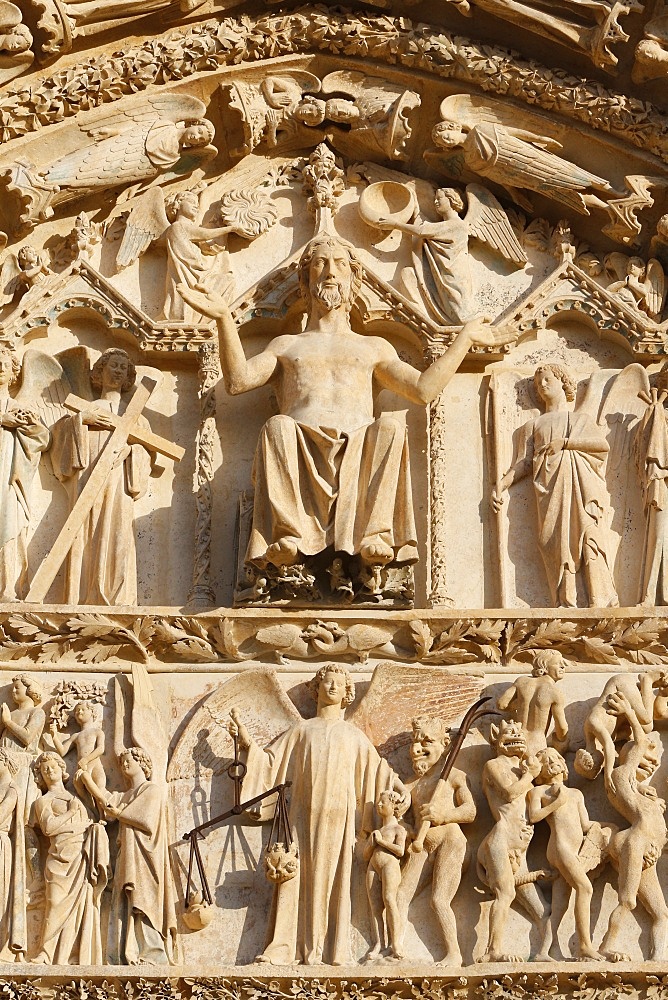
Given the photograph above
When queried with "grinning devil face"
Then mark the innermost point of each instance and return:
(509, 739)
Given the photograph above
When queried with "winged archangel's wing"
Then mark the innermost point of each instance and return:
(47, 380)
(205, 747)
(398, 692)
(612, 398)
(360, 86)
(146, 222)
(137, 720)
(105, 121)
(655, 289)
(471, 110)
(10, 276)
(487, 221)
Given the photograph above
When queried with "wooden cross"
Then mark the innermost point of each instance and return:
(125, 432)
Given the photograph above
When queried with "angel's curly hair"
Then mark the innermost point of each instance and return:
(454, 197)
(327, 240)
(33, 688)
(16, 363)
(37, 767)
(563, 374)
(334, 668)
(102, 362)
(174, 201)
(142, 759)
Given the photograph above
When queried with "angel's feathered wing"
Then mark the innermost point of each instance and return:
(655, 289)
(46, 381)
(146, 222)
(472, 110)
(487, 221)
(10, 276)
(140, 725)
(205, 744)
(399, 692)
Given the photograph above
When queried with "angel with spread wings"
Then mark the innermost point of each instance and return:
(511, 149)
(195, 256)
(639, 285)
(441, 250)
(21, 272)
(23, 437)
(337, 770)
(141, 141)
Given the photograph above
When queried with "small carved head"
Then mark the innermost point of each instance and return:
(508, 738)
(662, 227)
(32, 688)
(85, 710)
(552, 764)
(449, 134)
(329, 272)
(546, 376)
(549, 661)
(649, 755)
(138, 755)
(391, 803)
(182, 203)
(198, 133)
(49, 768)
(334, 683)
(450, 196)
(117, 361)
(28, 257)
(431, 738)
(10, 365)
(310, 111)
(635, 267)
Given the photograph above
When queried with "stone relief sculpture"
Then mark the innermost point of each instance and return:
(516, 154)
(13, 929)
(23, 438)
(16, 54)
(651, 53)
(593, 30)
(446, 806)
(651, 439)
(102, 563)
(76, 870)
(441, 279)
(639, 285)
(506, 781)
(537, 703)
(333, 510)
(332, 766)
(148, 140)
(20, 273)
(635, 850)
(267, 108)
(605, 726)
(565, 456)
(196, 254)
(383, 852)
(377, 114)
(88, 743)
(576, 846)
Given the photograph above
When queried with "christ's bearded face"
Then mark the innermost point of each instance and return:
(331, 277)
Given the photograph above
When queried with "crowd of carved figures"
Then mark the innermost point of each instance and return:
(348, 811)
(57, 823)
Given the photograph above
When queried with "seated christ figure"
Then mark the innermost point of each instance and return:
(327, 471)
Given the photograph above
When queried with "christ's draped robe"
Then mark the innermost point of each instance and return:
(336, 776)
(325, 487)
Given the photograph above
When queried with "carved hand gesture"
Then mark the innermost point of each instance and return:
(496, 501)
(6, 714)
(97, 418)
(531, 765)
(236, 728)
(481, 334)
(206, 302)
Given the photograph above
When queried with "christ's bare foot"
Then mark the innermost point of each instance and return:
(589, 955)
(284, 552)
(375, 552)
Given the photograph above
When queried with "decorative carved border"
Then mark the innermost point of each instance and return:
(211, 45)
(497, 982)
(100, 637)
